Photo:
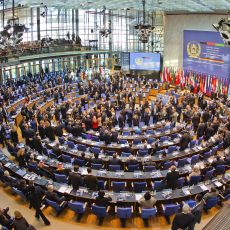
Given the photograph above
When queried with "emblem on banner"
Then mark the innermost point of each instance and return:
(193, 49)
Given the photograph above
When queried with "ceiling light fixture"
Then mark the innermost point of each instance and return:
(144, 29)
(12, 33)
(223, 27)
(105, 31)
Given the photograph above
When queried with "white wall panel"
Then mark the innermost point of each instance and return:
(173, 34)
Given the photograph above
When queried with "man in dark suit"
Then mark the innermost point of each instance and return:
(91, 181)
(172, 177)
(29, 134)
(37, 144)
(209, 132)
(183, 220)
(114, 160)
(75, 178)
(107, 137)
(131, 161)
(49, 132)
(36, 197)
(206, 116)
(201, 129)
(198, 209)
(114, 135)
(196, 121)
(101, 200)
(96, 159)
(184, 141)
(56, 150)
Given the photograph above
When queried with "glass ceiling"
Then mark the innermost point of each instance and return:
(171, 6)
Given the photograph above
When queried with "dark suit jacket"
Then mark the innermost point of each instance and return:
(200, 130)
(75, 180)
(91, 182)
(114, 161)
(184, 141)
(36, 197)
(37, 144)
(102, 201)
(171, 179)
(183, 221)
(50, 133)
(197, 212)
(96, 161)
(42, 132)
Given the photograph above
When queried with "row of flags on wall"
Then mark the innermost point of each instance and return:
(201, 82)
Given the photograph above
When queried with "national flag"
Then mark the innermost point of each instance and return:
(177, 77)
(161, 77)
(213, 84)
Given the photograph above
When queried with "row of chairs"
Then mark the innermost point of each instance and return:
(125, 213)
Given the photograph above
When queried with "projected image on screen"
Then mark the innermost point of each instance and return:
(145, 61)
(205, 52)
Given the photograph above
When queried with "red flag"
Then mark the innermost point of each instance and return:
(177, 77)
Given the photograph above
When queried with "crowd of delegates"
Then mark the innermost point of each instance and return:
(114, 105)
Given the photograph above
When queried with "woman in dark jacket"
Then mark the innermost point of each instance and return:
(21, 223)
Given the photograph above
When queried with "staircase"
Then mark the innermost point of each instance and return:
(221, 221)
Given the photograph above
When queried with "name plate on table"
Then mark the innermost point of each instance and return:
(119, 174)
(30, 177)
(138, 196)
(63, 189)
(8, 164)
(186, 191)
(81, 191)
(21, 172)
(175, 153)
(121, 197)
(187, 150)
(137, 174)
(217, 183)
(94, 195)
(166, 194)
(204, 187)
(101, 172)
(156, 174)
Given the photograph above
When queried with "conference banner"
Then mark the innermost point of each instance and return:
(205, 52)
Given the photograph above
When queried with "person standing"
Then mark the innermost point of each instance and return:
(183, 220)
(21, 223)
(36, 202)
(197, 210)
(172, 177)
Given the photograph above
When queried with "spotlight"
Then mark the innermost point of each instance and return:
(223, 27)
(144, 29)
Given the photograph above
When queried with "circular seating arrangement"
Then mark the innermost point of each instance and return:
(124, 183)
